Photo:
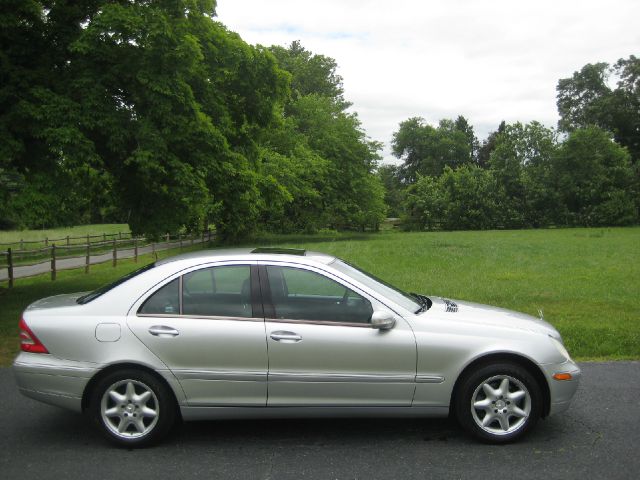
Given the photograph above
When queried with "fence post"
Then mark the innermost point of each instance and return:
(88, 240)
(104, 237)
(120, 235)
(135, 249)
(53, 262)
(67, 240)
(115, 253)
(10, 267)
(88, 257)
(21, 244)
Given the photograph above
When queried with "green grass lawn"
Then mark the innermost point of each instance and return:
(587, 281)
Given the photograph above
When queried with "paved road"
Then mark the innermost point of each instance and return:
(598, 438)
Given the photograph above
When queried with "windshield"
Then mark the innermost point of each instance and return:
(104, 289)
(403, 299)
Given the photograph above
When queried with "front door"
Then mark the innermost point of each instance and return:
(322, 349)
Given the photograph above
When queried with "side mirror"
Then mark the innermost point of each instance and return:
(382, 320)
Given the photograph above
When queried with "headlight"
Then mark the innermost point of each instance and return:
(560, 347)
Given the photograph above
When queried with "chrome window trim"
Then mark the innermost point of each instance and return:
(135, 306)
(320, 322)
(201, 317)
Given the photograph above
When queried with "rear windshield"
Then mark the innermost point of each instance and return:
(104, 289)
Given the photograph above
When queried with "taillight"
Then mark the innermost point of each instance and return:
(28, 341)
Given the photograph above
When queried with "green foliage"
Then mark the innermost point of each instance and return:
(427, 150)
(464, 198)
(390, 176)
(150, 106)
(532, 181)
(520, 162)
(586, 98)
(595, 180)
(154, 113)
(310, 73)
(488, 146)
(318, 162)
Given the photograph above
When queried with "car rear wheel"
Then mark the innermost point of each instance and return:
(133, 408)
(498, 403)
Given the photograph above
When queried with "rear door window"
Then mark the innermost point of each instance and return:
(223, 291)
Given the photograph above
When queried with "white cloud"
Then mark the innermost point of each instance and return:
(487, 60)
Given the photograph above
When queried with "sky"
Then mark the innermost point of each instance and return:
(489, 60)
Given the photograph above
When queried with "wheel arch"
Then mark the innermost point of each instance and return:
(88, 390)
(523, 362)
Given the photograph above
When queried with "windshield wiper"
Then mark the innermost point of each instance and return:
(424, 302)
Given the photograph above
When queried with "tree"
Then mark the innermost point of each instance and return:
(586, 98)
(464, 198)
(426, 150)
(520, 162)
(391, 179)
(153, 99)
(594, 180)
(338, 137)
(488, 146)
(462, 125)
(336, 185)
(310, 73)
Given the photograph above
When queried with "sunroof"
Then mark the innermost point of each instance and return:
(281, 251)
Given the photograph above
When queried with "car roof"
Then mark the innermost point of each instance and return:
(261, 253)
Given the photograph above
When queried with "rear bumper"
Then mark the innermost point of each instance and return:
(562, 391)
(51, 380)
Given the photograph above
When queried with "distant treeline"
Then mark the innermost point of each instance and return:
(586, 173)
(154, 114)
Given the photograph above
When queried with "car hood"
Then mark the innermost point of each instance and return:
(65, 300)
(476, 313)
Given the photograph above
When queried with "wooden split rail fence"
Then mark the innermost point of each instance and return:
(53, 255)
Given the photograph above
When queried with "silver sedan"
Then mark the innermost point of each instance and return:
(285, 333)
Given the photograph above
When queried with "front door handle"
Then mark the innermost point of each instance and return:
(163, 331)
(285, 337)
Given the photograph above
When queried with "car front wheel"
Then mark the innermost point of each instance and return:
(499, 403)
(133, 408)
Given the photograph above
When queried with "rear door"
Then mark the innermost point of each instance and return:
(207, 327)
(322, 348)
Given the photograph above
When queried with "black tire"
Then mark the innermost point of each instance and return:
(133, 408)
(489, 413)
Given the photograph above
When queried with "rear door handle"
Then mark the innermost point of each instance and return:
(163, 331)
(285, 337)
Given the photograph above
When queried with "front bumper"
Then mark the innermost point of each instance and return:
(52, 380)
(562, 391)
